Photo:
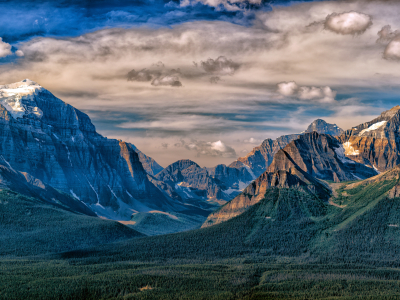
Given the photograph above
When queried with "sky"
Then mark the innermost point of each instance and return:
(207, 80)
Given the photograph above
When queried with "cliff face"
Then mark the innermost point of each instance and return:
(261, 157)
(57, 144)
(375, 143)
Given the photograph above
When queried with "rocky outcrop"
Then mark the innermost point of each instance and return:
(57, 144)
(375, 143)
(261, 157)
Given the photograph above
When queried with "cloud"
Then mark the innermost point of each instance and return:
(19, 53)
(167, 80)
(253, 141)
(217, 148)
(348, 23)
(386, 35)
(230, 5)
(214, 79)
(287, 88)
(220, 66)
(5, 48)
(143, 75)
(392, 50)
(321, 94)
(158, 75)
(392, 41)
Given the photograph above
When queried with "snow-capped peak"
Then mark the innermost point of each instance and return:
(18, 98)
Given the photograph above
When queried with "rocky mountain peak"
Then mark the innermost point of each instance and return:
(322, 126)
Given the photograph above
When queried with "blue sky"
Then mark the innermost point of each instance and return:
(168, 74)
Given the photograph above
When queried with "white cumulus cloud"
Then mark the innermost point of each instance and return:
(5, 48)
(287, 88)
(322, 94)
(348, 22)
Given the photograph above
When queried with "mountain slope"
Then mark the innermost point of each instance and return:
(311, 155)
(375, 143)
(293, 178)
(290, 222)
(57, 144)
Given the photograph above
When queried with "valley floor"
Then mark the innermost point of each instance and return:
(241, 278)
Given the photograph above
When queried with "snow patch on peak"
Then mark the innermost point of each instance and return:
(373, 127)
(18, 98)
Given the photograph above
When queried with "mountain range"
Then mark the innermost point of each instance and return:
(63, 155)
(77, 207)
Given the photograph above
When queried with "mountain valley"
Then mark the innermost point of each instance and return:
(316, 208)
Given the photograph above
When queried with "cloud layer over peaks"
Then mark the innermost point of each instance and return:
(348, 23)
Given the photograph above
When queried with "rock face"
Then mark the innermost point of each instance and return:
(57, 144)
(261, 157)
(375, 143)
(148, 163)
(321, 126)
